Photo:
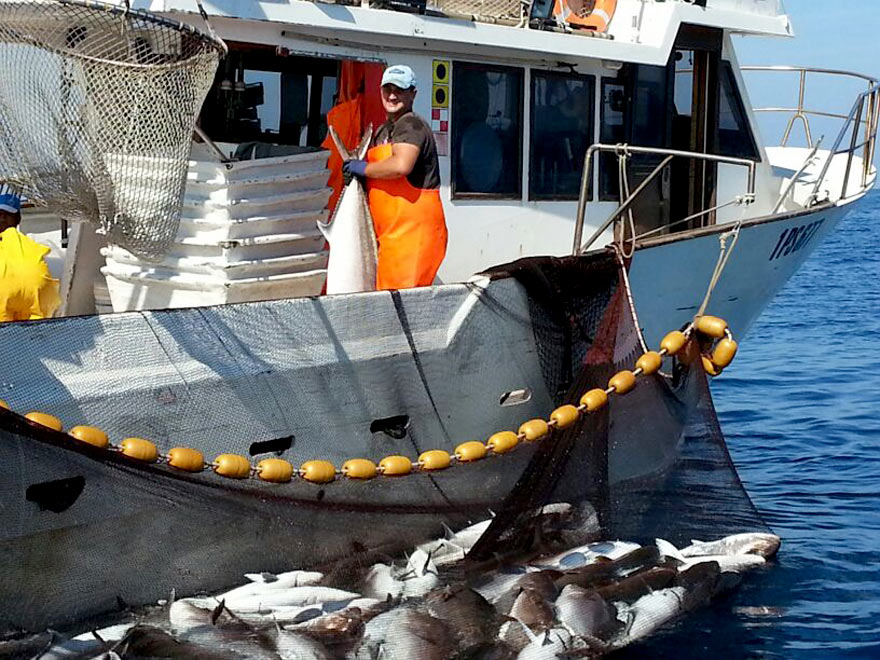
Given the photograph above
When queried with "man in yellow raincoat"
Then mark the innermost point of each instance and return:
(27, 289)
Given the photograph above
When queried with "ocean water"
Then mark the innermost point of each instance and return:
(800, 408)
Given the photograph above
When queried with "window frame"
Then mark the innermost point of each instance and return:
(727, 76)
(455, 194)
(591, 81)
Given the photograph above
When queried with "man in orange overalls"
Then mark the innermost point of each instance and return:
(27, 289)
(403, 187)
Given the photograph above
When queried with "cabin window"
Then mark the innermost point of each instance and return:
(266, 95)
(561, 131)
(612, 131)
(486, 131)
(734, 133)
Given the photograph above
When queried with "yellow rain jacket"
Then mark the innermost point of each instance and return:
(27, 289)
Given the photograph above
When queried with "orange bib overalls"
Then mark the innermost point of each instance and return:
(410, 229)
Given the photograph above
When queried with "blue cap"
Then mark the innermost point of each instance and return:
(399, 75)
(10, 200)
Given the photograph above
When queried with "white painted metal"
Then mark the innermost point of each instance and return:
(669, 277)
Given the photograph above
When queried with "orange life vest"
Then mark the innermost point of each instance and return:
(410, 229)
(597, 20)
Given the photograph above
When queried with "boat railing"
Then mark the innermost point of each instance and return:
(625, 150)
(858, 134)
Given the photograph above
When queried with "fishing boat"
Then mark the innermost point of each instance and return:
(559, 136)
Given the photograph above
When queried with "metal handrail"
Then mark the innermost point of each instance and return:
(624, 149)
(865, 113)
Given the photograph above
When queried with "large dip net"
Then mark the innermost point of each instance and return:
(97, 108)
(335, 378)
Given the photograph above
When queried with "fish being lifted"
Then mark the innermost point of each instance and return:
(351, 267)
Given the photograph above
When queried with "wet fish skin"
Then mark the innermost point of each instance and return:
(294, 596)
(263, 582)
(547, 646)
(635, 586)
(541, 582)
(297, 646)
(649, 613)
(591, 552)
(471, 618)
(584, 613)
(151, 642)
(602, 573)
(533, 611)
(734, 563)
(352, 264)
(413, 634)
(754, 543)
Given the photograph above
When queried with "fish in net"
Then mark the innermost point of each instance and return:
(386, 377)
(97, 107)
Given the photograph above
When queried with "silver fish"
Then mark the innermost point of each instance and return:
(413, 634)
(765, 545)
(295, 596)
(353, 248)
(296, 646)
(585, 613)
(649, 613)
(587, 554)
(532, 610)
(734, 563)
(548, 645)
(263, 582)
(404, 634)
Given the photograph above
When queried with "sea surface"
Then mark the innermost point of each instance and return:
(800, 408)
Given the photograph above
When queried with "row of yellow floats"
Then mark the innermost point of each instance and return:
(278, 470)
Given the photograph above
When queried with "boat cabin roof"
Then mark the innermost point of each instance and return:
(641, 31)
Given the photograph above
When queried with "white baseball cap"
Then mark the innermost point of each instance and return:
(399, 75)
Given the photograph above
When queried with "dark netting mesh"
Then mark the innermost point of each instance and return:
(334, 378)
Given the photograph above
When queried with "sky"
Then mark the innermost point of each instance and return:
(843, 34)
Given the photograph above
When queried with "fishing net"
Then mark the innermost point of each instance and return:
(97, 108)
(339, 377)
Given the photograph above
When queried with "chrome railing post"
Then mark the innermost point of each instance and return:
(622, 207)
(586, 177)
(852, 147)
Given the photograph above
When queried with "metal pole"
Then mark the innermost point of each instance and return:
(852, 149)
(586, 175)
(623, 207)
(212, 145)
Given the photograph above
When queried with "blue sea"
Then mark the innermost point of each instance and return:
(800, 408)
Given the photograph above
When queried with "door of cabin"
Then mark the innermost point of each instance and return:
(694, 111)
(675, 107)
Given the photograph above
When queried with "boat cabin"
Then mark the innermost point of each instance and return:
(513, 122)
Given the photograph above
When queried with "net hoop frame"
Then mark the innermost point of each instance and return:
(149, 17)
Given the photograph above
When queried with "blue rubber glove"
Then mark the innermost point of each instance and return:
(356, 168)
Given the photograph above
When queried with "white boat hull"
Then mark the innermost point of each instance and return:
(669, 279)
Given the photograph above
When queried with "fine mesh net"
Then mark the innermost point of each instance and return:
(97, 108)
(484, 9)
(338, 377)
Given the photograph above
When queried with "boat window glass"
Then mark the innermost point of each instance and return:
(649, 115)
(612, 131)
(486, 131)
(267, 95)
(561, 131)
(734, 133)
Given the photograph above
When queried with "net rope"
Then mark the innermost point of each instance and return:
(97, 109)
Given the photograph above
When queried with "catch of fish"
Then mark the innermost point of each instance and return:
(352, 264)
(584, 601)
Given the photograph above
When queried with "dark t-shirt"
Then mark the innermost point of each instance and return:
(412, 129)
